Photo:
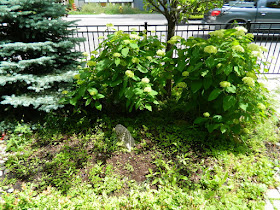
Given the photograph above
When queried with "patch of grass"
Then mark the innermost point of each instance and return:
(95, 8)
(196, 17)
(174, 165)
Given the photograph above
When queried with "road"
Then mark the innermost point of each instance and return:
(118, 19)
(157, 25)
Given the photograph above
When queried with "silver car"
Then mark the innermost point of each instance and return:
(266, 13)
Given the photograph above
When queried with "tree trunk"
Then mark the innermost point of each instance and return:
(170, 33)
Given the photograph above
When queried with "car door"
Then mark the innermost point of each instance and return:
(269, 11)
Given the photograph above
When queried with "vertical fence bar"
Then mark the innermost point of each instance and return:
(146, 27)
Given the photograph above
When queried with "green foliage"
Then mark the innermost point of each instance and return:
(96, 8)
(126, 74)
(19, 138)
(190, 172)
(39, 62)
(217, 78)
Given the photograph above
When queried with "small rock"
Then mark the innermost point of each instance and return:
(124, 136)
(10, 190)
(1, 173)
(277, 144)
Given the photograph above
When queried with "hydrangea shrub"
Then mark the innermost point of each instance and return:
(218, 80)
(128, 74)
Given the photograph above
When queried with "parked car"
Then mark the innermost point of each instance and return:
(265, 12)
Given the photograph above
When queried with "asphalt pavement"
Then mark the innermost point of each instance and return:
(133, 19)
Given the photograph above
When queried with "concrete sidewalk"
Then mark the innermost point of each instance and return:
(272, 83)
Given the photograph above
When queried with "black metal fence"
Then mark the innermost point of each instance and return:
(266, 34)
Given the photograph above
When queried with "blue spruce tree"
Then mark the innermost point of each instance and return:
(37, 54)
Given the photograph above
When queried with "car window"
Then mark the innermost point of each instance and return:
(246, 4)
(273, 3)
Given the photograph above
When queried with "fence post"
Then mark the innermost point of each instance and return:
(146, 27)
(248, 25)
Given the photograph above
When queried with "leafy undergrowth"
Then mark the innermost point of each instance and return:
(174, 165)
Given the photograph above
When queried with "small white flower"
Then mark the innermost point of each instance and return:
(85, 54)
(241, 28)
(145, 80)
(257, 54)
(238, 48)
(264, 49)
(147, 89)
(134, 36)
(160, 53)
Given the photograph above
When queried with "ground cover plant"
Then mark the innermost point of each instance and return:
(173, 166)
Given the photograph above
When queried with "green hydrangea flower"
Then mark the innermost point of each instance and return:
(218, 33)
(174, 39)
(129, 73)
(261, 106)
(64, 92)
(135, 60)
(253, 47)
(109, 25)
(77, 76)
(206, 114)
(185, 74)
(249, 81)
(126, 41)
(182, 85)
(238, 48)
(116, 55)
(225, 84)
(93, 92)
(251, 74)
(235, 121)
(210, 49)
(149, 58)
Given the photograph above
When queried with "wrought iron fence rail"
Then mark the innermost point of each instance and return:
(266, 34)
